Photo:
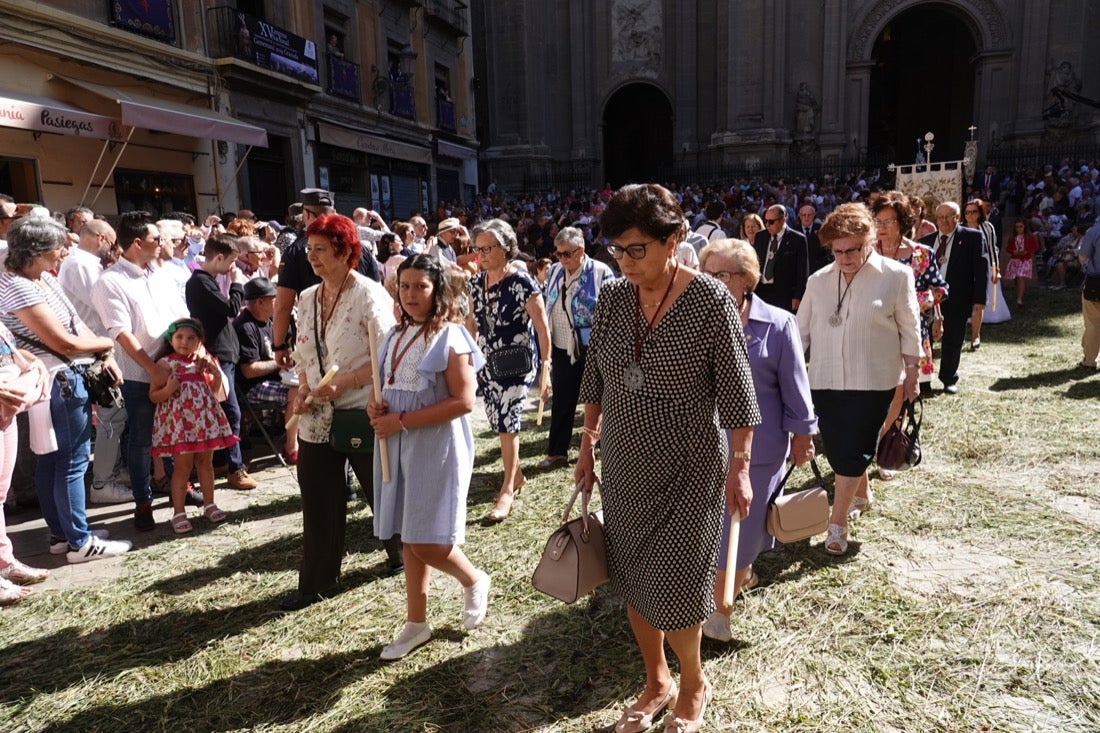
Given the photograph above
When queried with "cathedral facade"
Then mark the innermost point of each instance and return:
(623, 90)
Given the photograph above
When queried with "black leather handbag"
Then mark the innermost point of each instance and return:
(510, 362)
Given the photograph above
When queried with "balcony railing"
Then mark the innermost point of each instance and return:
(449, 12)
(258, 42)
(401, 99)
(445, 114)
(343, 78)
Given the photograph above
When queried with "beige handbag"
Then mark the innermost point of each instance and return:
(574, 562)
(800, 515)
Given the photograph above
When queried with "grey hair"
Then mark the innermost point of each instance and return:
(572, 235)
(31, 236)
(501, 231)
(741, 252)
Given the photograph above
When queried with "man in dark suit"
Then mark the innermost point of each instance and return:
(987, 184)
(960, 254)
(784, 263)
(817, 255)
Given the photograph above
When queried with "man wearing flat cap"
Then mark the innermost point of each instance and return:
(258, 377)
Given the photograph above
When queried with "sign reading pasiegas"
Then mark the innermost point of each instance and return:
(47, 116)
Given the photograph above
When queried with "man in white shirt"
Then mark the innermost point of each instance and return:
(135, 314)
(78, 275)
(371, 226)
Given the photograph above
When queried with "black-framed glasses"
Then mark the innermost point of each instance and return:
(724, 275)
(567, 254)
(483, 250)
(972, 211)
(769, 222)
(110, 242)
(849, 251)
(634, 251)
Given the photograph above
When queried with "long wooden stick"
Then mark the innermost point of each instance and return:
(544, 377)
(293, 421)
(376, 388)
(731, 557)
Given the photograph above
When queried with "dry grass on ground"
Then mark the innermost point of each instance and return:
(969, 602)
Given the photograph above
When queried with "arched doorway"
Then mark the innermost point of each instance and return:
(637, 134)
(922, 80)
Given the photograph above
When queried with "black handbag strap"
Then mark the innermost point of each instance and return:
(915, 418)
(779, 489)
(32, 341)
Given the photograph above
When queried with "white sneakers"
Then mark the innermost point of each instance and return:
(477, 602)
(97, 549)
(111, 492)
(412, 636)
(60, 545)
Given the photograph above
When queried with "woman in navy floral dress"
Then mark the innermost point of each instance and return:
(507, 310)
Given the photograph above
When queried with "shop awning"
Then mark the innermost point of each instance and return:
(140, 110)
(39, 114)
(343, 137)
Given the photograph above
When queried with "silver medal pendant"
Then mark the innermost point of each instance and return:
(633, 376)
(835, 319)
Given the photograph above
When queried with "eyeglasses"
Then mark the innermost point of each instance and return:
(769, 222)
(567, 254)
(724, 275)
(635, 251)
(883, 223)
(972, 211)
(849, 251)
(484, 250)
(110, 242)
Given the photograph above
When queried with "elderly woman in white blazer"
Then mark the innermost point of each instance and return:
(859, 319)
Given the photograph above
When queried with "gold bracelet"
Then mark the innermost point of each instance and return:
(355, 379)
(594, 435)
(742, 455)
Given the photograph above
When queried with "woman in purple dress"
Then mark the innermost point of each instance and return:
(783, 395)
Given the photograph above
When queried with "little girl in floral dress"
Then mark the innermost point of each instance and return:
(190, 424)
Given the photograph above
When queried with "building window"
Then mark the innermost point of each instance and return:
(153, 18)
(400, 60)
(157, 193)
(444, 104)
(343, 73)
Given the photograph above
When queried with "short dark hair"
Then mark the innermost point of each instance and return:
(133, 225)
(648, 206)
(219, 244)
(715, 209)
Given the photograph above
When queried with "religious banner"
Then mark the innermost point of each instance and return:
(932, 183)
(147, 17)
(271, 47)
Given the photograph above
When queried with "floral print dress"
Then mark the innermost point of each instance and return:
(500, 313)
(931, 290)
(191, 421)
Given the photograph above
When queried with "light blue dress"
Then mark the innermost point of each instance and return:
(430, 467)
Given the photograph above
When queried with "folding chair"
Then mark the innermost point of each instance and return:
(255, 414)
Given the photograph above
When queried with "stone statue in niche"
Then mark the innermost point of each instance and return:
(637, 31)
(805, 113)
(1063, 86)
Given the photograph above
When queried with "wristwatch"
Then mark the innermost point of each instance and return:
(281, 347)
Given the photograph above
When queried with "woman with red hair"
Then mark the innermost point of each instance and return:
(334, 323)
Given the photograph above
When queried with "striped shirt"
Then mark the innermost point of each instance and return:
(18, 293)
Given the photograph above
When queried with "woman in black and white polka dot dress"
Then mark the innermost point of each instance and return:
(667, 375)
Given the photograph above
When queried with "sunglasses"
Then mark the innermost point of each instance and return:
(769, 222)
(566, 255)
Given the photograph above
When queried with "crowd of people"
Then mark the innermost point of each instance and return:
(708, 335)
